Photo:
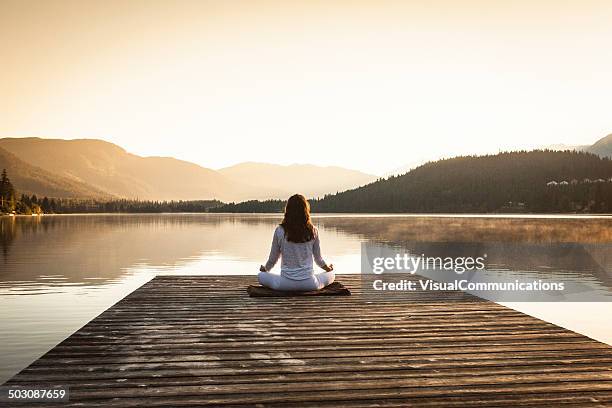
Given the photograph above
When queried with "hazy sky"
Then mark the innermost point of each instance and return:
(371, 85)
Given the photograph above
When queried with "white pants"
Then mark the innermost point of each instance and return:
(277, 282)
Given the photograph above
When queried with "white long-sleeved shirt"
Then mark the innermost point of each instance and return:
(296, 262)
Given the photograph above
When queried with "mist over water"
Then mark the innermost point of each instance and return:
(58, 272)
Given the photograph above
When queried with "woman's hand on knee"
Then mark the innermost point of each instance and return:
(262, 268)
(328, 268)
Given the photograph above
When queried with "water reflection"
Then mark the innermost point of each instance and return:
(98, 249)
(400, 229)
(7, 235)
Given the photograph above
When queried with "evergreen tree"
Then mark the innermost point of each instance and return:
(7, 194)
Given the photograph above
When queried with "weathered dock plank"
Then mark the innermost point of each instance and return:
(201, 341)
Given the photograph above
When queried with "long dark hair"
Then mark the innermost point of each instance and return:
(296, 223)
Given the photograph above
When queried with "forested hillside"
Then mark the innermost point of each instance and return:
(505, 182)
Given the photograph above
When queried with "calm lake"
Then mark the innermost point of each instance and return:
(58, 272)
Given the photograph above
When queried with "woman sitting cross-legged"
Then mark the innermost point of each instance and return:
(296, 242)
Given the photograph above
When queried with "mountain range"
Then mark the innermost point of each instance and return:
(281, 181)
(35, 180)
(602, 148)
(539, 181)
(91, 168)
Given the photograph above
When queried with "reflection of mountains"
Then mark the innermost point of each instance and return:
(95, 249)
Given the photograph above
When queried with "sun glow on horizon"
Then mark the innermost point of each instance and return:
(366, 85)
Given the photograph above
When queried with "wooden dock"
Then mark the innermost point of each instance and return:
(200, 341)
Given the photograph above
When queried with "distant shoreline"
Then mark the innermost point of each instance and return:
(338, 214)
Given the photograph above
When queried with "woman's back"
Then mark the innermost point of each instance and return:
(296, 257)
